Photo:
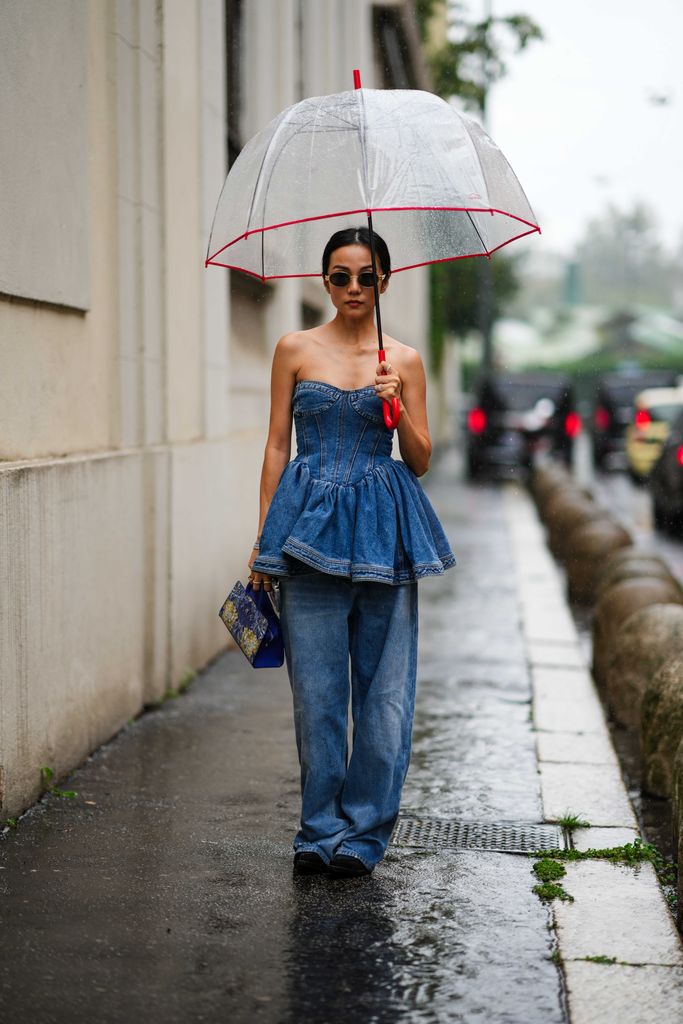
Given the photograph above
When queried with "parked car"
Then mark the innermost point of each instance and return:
(654, 412)
(666, 481)
(614, 407)
(515, 416)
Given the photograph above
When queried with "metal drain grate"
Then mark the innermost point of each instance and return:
(504, 837)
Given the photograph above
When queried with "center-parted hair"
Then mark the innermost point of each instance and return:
(357, 236)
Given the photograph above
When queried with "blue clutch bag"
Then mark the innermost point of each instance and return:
(253, 624)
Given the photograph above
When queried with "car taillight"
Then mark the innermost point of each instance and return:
(476, 421)
(602, 418)
(642, 419)
(572, 424)
(679, 455)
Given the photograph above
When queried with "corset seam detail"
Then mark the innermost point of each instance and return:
(347, 475)
(339, 447)
(316, 420)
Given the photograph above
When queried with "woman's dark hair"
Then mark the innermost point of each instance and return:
(357, 236)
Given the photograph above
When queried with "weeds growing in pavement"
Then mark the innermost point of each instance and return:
(631, 854)
(569, 820)
(549, 888)
(47, 775)
(171, 693)
(552, 891)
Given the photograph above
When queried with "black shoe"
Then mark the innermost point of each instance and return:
(307, 862)
(344, 866)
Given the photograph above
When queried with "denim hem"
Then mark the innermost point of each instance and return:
(352, 853)
(311, 848)
(360, 571)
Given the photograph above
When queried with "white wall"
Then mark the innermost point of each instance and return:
(44, 167)
(133, 413)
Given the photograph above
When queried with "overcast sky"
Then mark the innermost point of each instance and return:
(575, 116)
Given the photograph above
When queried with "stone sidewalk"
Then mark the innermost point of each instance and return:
(164, 891)
(619, 913)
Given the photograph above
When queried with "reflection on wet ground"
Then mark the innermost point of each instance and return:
(170, 896)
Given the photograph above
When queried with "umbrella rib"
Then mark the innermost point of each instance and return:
(484, 245)
(364, 154)
(265, 196)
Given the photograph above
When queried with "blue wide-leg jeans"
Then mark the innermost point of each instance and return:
(349, 804)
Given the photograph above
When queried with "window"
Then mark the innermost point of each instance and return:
(233, 55)
(392, 49)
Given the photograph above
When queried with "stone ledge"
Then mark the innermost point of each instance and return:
(618, 911)
(594, 791)
(598, 993)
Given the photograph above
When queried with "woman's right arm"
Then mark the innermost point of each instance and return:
(279, 441)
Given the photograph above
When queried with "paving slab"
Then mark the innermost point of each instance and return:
(543, 653)
(576, 748)
(618, 911)
(559, 682)
(546, 624)
(602, 838)
(603, 993)
(569, 715)
(595, 791)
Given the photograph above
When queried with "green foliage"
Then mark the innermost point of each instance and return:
(549, 870)
(188, 676)
(552, 891)
(600, 959)
(465, 65)
(631, 854)
(569, 820)
(11, 822)
(424, 10)
(454, 301)
(621, 260)
(47, 775)
(473, 56)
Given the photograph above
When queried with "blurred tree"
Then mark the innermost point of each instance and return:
(465, 64)
(471, 58)
(623, 262)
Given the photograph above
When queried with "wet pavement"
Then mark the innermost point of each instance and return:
(164, 892)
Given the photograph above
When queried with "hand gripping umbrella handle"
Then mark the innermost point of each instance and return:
(391, 410)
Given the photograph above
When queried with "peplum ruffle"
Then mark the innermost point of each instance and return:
(381, 527)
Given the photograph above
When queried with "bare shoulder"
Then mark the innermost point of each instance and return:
(296, 342)
(290, 344)
(406, 357)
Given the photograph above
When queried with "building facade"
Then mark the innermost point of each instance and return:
(134, 382)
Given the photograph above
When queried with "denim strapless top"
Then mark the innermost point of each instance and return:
(343, 505)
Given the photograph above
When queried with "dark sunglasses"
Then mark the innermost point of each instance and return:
(340, 278)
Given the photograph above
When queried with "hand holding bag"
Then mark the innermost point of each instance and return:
(252, 622)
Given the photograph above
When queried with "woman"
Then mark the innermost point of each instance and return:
(348, 531)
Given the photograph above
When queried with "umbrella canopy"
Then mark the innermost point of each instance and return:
(437, 186)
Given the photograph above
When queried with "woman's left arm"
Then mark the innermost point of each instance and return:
(410, 388)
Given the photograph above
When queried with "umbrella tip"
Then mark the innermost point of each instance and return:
(356, 78)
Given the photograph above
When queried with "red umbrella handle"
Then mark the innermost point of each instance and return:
(391, 410)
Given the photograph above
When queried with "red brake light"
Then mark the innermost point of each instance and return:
(476, 421)
(602, 418)
(642, 419)
(572, 424)
(679, 455)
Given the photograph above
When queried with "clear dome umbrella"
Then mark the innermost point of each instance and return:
(427, 178)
